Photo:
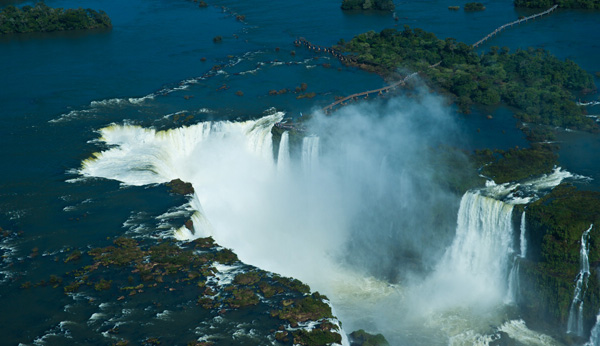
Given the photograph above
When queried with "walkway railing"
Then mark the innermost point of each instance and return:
(366, 94)
(343, 58)
(507, 25)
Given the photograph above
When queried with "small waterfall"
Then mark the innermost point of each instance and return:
(478, 259)
(523, 238)
(310, 154)
(575, 322)
(514, 281)
(283, 156)
(595, 334)
(259, 137)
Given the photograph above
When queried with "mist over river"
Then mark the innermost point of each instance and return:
(358, 206)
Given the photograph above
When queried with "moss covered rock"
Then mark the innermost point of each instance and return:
(362, 338)
(180, 187)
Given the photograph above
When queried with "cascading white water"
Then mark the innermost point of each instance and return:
(297, 227)
(514, 283)
(523, 237)
(474, 268)
(146, 156)
(575, 322)
(310, 154)
(283, 156)
(595, 333)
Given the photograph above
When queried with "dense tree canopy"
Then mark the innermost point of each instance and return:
(534, 81)
(587, 4)
(41, 18)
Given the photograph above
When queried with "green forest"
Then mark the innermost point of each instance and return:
(41, 18)
(535, 82)
(586, 4)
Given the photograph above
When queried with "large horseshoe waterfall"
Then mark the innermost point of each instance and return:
(234, 171)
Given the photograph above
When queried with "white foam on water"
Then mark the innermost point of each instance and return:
(73, 115)
(96, 316)
(517, 330)
(164, 315)
(225, 274)
(531, 189)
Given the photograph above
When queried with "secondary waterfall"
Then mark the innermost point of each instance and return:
(283, 156)
(595, 334)
(523, 237)
(310, 154)
(575, 322)
(514, 283)
(475, 266)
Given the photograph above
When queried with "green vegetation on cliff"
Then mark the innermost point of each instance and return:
(41, 18)
(381, 5)
(586, 4)
(555, 225)
(535, 82)
(362, 338)
(516, 164)
(565, 214)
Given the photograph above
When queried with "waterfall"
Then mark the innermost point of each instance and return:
(283, 156)
(523, 238)
(310, 154)
(595, 334)
(475, 266)
(575, 322)
(514, 282)
(240, 153)
(140, 156)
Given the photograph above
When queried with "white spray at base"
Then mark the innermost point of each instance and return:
(475, 266)
(296, 224)
(575, 322)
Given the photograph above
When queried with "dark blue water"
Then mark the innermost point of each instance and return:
(57, 89)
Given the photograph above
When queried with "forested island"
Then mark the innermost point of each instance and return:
(474, 6)
(380, 5)
(541, 87)
(585, 4)
(41, 18)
